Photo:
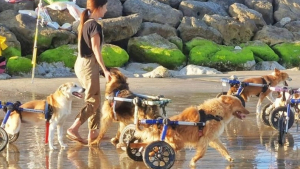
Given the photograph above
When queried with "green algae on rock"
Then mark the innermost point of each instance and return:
(289, 54)
(114, 56)
(156, 49)
(65, 53)
(17, 65)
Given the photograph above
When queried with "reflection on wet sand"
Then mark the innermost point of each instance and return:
(249, 142)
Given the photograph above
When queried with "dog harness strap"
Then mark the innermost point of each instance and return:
(265, 88)
(202, 118)
(114, 105)
(46, 111)
(206, 117)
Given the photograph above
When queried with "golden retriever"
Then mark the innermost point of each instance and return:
(277, 77)
(59, 107)
(218, 112)
(121, 111)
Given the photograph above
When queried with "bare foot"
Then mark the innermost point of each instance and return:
(75, 136)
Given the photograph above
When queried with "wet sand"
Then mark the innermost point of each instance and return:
(249, 142)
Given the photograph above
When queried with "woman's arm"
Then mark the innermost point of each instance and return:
(95, 40)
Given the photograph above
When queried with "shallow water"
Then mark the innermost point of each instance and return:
(249, 142)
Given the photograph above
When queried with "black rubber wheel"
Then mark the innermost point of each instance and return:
(275, 115)
(3, 139)
(281, 129)
(265, 114)
(159, 155)
(220, 94)
(241, 99)
(134, 153)
(13, 137)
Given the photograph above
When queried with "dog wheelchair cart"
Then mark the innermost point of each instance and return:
(234, 82)
(9, 107)
(282, 118)
(140, 99)
(158, 154)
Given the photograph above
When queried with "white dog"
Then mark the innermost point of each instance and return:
(59, 107)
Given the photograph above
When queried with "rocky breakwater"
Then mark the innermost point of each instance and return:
(174, 34)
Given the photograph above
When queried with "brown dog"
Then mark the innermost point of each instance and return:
(121, 111)
(220, 111)
(274, 79)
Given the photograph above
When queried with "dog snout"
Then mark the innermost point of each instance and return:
(289, 79)
(82, 90)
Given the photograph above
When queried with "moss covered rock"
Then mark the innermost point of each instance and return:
(17, 65)
(65, 53)
(197, 41)
(156, 49)
(261, 51)
(11, 51)
(289, 54)
(222, 58)
(114, 56)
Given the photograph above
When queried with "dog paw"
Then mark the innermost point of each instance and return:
(192, 164)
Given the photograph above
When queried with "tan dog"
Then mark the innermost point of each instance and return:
(60, 104)
(274, 79)
(224, 109)
(121, 111)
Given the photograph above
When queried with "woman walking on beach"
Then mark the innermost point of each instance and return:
(87, 66)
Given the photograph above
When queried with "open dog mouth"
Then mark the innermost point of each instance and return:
(240, 115)
(76, 94)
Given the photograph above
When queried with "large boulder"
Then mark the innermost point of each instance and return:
(264, 7)
(153, 11)
(272, 35)
(226, 3)
(284, 8)
(14, 46)
(242, 12)
(163, 30)
(199, 9)
(155, 49)
(120, 28)
(222, 58)
(24, 28)
(289, 54)
(233, 31)
(191, 27)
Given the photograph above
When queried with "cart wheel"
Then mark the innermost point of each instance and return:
(281, 128)
(134, 153)
(265, 114)
(13, 137)
(159, 155)
(126, 134)
(275, 115)
(220, 94)
(241, 99)
(3, 139)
